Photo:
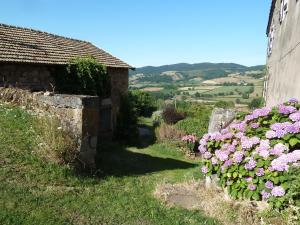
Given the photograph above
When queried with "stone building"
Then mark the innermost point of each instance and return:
(283, 63)
(29, 60)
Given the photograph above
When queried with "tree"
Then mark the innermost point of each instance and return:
(256, 103)
(245, 96)
(197, 95)
(143, 102)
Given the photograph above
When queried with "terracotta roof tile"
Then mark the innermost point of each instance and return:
(25, 45)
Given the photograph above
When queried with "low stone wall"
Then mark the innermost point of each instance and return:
(78, 115)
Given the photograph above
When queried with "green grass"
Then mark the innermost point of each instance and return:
(33, 191)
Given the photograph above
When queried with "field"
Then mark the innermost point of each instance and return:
(237, 88)
(235, 78)
(228, 89)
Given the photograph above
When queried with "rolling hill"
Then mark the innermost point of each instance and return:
(191, 73)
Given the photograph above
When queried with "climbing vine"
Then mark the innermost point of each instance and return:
(84, 75)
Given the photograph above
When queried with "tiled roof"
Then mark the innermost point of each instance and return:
(271, 16)
(25, 45)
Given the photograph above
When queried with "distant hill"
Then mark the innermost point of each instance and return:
(184, 72)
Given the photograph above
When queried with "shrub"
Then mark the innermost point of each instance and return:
(293, 195)
(157, 118)
(167, 132)
(127, 120)
(190, 141)
(172, 116)
(197, 120)
(245, 96)
(256, 103)
(192, 125)
(253, 157)
(238, 101)
(143, 102)
(224, 104)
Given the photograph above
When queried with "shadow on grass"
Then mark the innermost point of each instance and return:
(115, 160)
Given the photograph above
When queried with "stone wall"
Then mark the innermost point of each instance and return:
(26, 76)
(119, 86)
(40, 78)
(79, 115)
(283, 79)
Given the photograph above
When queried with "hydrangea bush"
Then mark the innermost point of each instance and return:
(253, 156)
(190, 141)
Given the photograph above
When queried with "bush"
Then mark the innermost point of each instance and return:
(245, 96)
(127, 120)
(224, 104)
(256, 103)
(238, 101)
(253, 158)
(172, 116)
(144, 103)
(193, 126)
(293, 195)
(190, 141)
(167, 132)
(157, 118)
(197, 120)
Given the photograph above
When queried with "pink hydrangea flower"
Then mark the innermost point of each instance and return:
(202, 149)
(189, 138)
(249, 179)
(295, 116)
(252, 187)
(260, 172)
(204, 169)
(283, 161)
(238, 157)
(278, 191)
(283, 109)
(293, 100)
(265, 195)
(270, 134)
(239, 135)
(279, 149)
(214, 160)
(221, 155)
(254, 125)
(234, 143)
(269, 184)
(250, 165)
(207, 155)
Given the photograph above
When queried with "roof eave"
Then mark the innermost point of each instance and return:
(270, 17)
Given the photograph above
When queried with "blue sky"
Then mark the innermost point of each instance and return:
(154, 32)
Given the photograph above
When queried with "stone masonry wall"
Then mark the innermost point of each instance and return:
(119, 86)
(26, 76)
(78, 115)
(40, 78)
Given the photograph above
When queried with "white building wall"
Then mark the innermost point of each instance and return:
(283, 65)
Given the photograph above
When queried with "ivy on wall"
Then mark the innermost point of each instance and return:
(83, 75)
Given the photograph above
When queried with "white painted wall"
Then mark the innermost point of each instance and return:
(283, 79)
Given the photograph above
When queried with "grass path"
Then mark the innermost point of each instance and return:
(33, 191)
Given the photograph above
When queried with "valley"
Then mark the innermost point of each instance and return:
(202, 82)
